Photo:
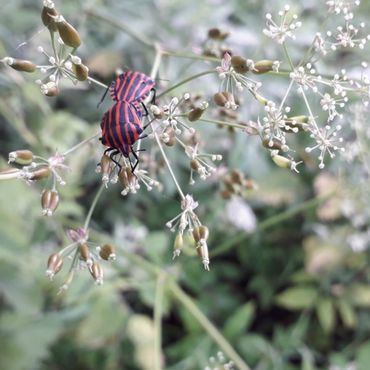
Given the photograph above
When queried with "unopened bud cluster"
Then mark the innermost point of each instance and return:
(31, 168)
(235, 183)
(215, 45)
(62, 62)
(83, 254)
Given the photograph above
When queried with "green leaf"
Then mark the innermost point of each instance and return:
(347, 313)
(239, 322)
(363, 356)
(326, 314)
(297, 298)
(360, 295)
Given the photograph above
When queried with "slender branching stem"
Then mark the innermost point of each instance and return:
(158, 308)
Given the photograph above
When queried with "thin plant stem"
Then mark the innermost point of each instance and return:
(158, 310)
(168, 164)
(288, 56)
(216, 122)
(213, 332)
(93, 80)
(92, 207)
(271, 221)
(121, 26)
(189, 304)
(187, 55)
(82, 143)
(186, 80)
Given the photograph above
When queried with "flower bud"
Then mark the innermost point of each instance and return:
(54, 265)
(84, 252)
(97, 273)
(50, 89)
(169, 137)
(179, 242)
(263, 66)
(22, 157)
(217, 34)
(107, 252)
(68, 33)
(272, 143)
(20, 64)
(203, 232)
(39, 173)
(157, 112)
(81, 71)
(196, 235)
(225, 99)
(126, 177)
(236, 177)
(49, 202)
(195, 114)
(47, 15)
(239, 64)
(298, 123)
(194, 164)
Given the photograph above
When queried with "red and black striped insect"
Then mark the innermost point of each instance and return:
(121, 125)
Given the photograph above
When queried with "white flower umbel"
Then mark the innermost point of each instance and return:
(232, 80)
(284, 28)
(187, 219)
(327, 142)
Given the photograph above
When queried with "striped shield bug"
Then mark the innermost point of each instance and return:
(121, 125)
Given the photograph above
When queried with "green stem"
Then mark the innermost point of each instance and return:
(271, 221)
(186, 80)
(189, 305)
(92, 207)
(82, 143)
(213, 332)
(158, 309)
(181, 54)
(216, 122)
(288, 56)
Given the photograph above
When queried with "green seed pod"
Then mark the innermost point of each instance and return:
(68, 33)
(54, 201)
(196, 235)
(97, 273)
(281, 161)
(48, 15)
(203, 232)
(194, 164)
(263, 66)
(107, 252)
(219, 99)
(178, 244)
(20, 64)
(40, 173)
(84, 252)
(22, 157)
(239, 64)
(54, 265)
(81, 71)
(50, 89)
(195, 114)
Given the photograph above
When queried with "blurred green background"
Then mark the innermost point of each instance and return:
(291, 292)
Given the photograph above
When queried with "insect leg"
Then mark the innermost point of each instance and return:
(112, 155)
(103, 97)
(137, 160)
(154, 95)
